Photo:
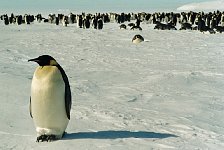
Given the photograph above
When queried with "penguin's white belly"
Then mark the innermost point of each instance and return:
(48, 101)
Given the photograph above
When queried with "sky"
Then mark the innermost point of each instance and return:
(98, 5)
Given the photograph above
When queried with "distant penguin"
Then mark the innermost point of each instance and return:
(57, 21)
(6, 20)
(100, 24)
(186, 26)
(72, 18)
(201, 24)
(122, 18)
(47, 20)
(222, 20)
(79, 21)
(65, 21)
(137, 39)
(19, 20)
(213, 22)
(94, 23)
(86, 23)
(50, 101)
(118, 18)
(131, 24)
(123, 26)
(138, 21)
(27, 19)
(38, 18)
(11, 18)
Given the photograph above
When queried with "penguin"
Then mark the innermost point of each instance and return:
(50, 100)
(186, 26)
(65, 21)
(123, 26)
(138, 21)
(6, 20)
(19, 20)
(94, 23)
(57, 21)
(79, 21)
(137, 39)
(27, 19)
(100, 24)
(86, 23)
(131, 24)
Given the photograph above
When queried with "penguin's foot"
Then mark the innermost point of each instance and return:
(41, 138)
(51, 138)
(47, 138)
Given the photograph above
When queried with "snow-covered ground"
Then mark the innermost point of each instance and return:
(207, 5)
(164, 93)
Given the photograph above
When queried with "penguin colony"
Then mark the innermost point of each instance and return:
(50, 100)
(211, 22)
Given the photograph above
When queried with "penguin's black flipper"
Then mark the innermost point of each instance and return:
(30, 108)
(68, 97)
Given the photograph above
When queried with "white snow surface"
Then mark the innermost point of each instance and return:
(164, 93)
(207, 5)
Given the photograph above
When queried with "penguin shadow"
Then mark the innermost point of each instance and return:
(116, 135)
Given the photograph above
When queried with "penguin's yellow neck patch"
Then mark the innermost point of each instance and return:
(53, 63)
(45, 71)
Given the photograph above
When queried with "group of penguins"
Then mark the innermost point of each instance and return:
(82, 20)
(211, 22)
(51, 102)
(18, 19)
(203, 22)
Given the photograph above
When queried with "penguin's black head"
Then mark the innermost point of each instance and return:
(45, 60)
(138, 36)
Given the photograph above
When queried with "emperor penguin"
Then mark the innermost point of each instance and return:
(50, 100)
(123, 26)
(137, 39)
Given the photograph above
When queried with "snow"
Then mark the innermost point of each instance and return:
(164, 93)
(207, 5)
